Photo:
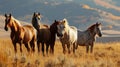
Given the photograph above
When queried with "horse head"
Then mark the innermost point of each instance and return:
(37, 15)
(62, 27)
(95, 29)
(53, 27)
(35, 18)
(7, 21)
(98, 29)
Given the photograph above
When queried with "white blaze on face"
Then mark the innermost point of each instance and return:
(39, 17)
(100, 27)
(98, 30)
(61, 29)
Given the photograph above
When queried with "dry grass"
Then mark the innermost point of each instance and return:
(104, 55)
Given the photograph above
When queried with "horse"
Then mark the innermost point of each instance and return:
(20, 34)
(67, 35)
(87, 37)
(35, 22)
(45, 34)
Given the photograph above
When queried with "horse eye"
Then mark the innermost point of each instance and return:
(7, 20)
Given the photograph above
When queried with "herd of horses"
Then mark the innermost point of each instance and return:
(69, 36)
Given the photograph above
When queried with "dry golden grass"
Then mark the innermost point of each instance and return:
(104, 55)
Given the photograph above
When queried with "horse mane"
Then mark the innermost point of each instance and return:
(65, 21)
(16, 20)
(92, 27)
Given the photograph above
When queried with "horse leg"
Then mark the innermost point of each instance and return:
(20, 48)
(32, 44)
(38, 45)
(74, 47)
(47, 46)
(43, 49)
(87, 48)
(15, 48)
(91, 48)
(26, 45)
(68, 46)
(64, 50)
(52, 46)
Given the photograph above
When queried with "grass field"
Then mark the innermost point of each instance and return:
(104, 55)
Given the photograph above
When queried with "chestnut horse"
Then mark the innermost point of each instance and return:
(45, 34)
(20, 34)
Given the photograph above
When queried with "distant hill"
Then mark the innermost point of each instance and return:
(80, 13)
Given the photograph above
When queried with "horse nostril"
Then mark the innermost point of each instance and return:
(6, 28)
(59, 35)
(100, 35)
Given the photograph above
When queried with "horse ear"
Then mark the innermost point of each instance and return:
(10, 15)
(34, 13)
(55, 21)
(5, 15)
(96, 22)
(64, 21)
(39, 13)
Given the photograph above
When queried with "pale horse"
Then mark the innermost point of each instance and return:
(67, 35)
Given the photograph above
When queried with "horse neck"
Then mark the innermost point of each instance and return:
(35, 23)
(91, 33)
(67, 29)
(16, 26)
(53, 31)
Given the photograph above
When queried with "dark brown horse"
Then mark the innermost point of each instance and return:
(45, 34)
(20, 34)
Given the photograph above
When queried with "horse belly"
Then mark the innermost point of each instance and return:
(28, 36)
(73, 36)
(44, 35)
(81, 40)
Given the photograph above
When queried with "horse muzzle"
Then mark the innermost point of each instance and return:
(6, 28)
(100, 35)
(60, 35)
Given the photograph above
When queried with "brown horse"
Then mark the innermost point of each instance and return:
(45, 34)
(20, 34)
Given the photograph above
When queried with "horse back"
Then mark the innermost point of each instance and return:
(44, 26)
(74, 28)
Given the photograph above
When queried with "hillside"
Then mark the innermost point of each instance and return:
(80, 13)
